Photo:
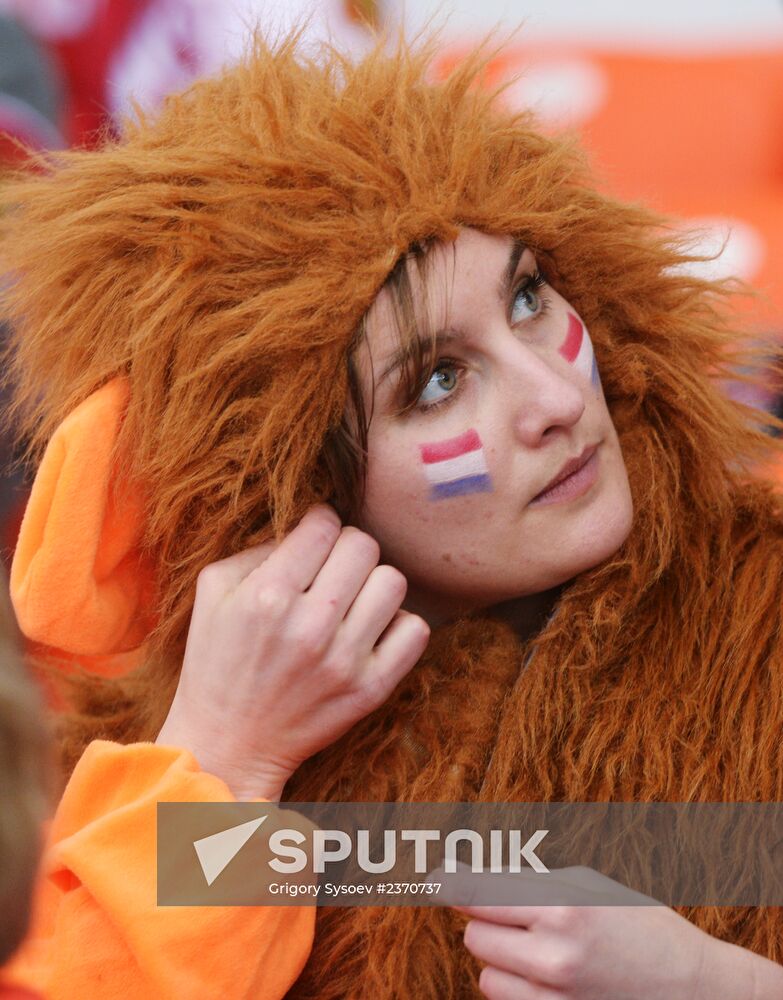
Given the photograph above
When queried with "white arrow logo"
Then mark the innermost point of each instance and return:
(219, 849)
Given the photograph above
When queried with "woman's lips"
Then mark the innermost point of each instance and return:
(574, 485)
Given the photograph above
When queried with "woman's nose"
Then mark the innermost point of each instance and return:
(546, 401)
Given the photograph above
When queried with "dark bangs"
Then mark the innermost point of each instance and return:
(345, 451)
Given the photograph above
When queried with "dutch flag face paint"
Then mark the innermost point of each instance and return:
(577, 349)
(456, 466)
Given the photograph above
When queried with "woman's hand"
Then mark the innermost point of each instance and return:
(580, 952)
(289, 646)
(586, 952)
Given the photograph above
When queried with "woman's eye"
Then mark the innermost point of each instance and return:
(442, 382)
(527, 302)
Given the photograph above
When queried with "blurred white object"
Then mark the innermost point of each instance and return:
(563, 92)
(176, 41)
(653, 24)
(53, 18)
(737, 248)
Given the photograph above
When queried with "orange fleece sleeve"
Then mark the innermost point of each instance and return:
(79, 581)
(97, 931)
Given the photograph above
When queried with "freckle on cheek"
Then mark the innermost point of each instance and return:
(446, 557)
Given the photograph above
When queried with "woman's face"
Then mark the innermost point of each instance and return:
(459, 488)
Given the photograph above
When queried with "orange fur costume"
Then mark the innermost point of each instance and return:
(219, 260)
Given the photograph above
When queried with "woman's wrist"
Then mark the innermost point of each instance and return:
(734, 973)
(261, 781)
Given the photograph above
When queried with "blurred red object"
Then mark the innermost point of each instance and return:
(83, 36)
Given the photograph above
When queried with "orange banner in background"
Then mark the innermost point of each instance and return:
(695, 136)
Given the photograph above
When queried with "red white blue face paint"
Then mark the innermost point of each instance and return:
(577, 349)
(456, 466)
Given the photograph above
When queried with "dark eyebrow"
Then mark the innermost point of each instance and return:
(449, 336)
(402, 353)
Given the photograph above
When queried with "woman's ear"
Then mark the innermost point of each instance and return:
(78, 580)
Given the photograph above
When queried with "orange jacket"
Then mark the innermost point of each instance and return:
(97, 932)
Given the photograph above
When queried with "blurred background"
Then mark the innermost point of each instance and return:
(679, 105)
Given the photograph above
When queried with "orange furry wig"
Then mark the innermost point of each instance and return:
(218, 259)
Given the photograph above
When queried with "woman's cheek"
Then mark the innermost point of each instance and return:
(455, 466)
(404, 510)
(577, 349)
